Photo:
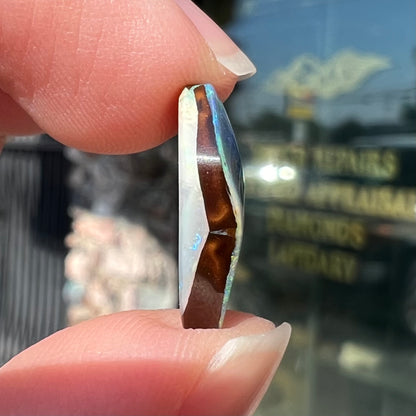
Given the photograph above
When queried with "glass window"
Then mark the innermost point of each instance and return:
(327, 131)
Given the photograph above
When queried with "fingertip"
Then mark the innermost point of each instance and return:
(107, 79)
(239, 374)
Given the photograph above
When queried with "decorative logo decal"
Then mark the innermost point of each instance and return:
(343, 72)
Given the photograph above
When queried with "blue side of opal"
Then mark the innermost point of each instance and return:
(227, 145)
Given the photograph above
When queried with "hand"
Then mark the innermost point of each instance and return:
(105, 77)
(145, 363)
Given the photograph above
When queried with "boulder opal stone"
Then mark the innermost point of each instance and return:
(211, 200)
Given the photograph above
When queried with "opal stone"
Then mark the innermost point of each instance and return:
(211, 203)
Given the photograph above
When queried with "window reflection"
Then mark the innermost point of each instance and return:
(327, 130)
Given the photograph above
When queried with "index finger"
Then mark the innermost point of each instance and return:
(106, 78)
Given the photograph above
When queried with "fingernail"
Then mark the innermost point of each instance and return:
(239, 374)
(225, 50)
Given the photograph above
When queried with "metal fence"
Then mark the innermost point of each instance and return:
(33, 223)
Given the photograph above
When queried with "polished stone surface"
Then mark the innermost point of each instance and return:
(211, 194)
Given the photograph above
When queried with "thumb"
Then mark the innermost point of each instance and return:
(145, 363)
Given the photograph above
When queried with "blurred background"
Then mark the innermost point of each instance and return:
(327, 134)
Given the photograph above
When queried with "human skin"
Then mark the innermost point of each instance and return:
(145, 363)
(104, 77)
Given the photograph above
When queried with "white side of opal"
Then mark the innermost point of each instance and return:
(193, 230)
